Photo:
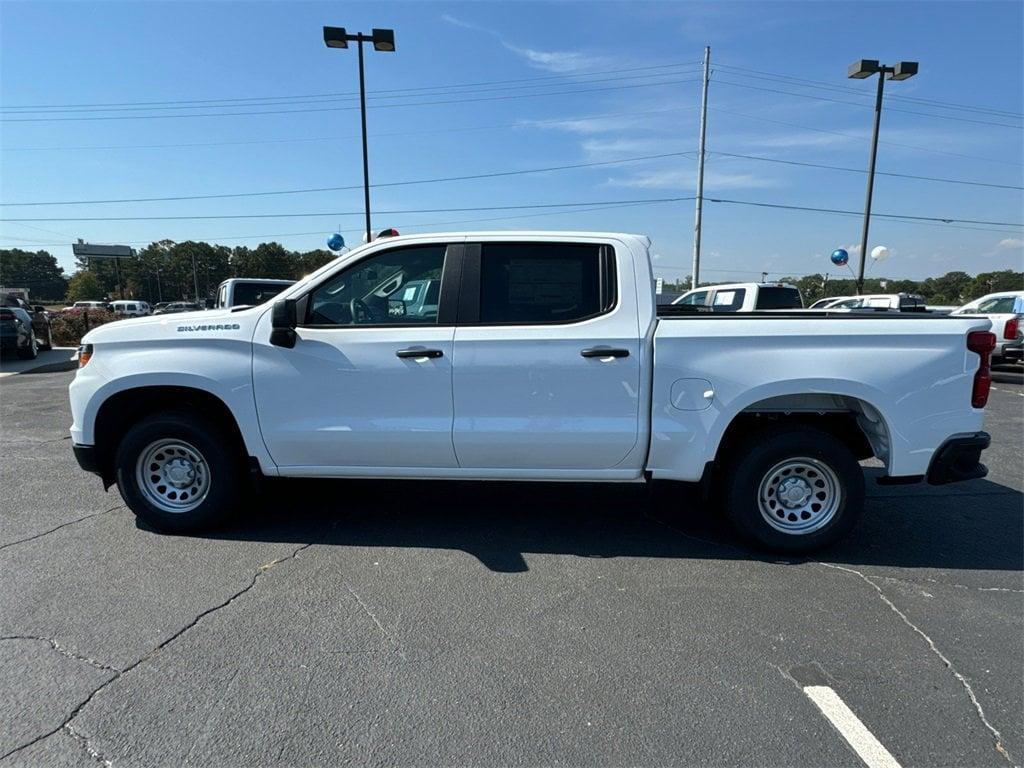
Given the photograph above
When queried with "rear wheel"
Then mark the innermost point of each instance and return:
(796, 490)
(179, 472)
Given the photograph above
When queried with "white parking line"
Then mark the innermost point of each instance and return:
(867, 747)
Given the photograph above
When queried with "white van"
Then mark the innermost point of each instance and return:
(130, 308)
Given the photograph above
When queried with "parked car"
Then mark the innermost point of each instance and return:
(744, 297)
(1004, 310)
(131, 308)
(178, 306)
(898, 302)
(822, 303)
(248, 291)
(80, 305)
(16, 333)
(39, 320)
(546, 359)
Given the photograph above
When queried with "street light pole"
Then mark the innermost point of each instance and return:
(860, 70)
(383, 40)
(366, 153)
(871, 186)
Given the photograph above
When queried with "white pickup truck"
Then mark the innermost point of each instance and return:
(543, 358)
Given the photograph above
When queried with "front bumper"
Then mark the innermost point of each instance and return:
(86, 457)
(959, 459)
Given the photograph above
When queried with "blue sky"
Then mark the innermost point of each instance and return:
(561, 84)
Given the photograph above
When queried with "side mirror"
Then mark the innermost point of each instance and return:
(283, 321)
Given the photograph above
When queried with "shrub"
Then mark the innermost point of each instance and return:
(69, 327)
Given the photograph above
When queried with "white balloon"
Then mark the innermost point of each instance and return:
(879, 253)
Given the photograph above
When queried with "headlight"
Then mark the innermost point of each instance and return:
(84, 355)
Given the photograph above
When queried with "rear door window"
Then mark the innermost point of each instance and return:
(728, 301)
(543, 283)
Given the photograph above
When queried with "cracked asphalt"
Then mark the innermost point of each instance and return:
(405, 623)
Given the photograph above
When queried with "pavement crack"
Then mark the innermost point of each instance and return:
(387, 635)
(64, 651)
(967, 587)
(117, 674)
(90, 750)
(62, 525)
(997, 736)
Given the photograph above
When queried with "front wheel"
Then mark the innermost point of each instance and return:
(796, 490)
(178, 472)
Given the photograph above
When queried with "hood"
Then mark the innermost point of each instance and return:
(209, 323)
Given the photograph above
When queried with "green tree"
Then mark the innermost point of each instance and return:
(37, 272)
(84, 286)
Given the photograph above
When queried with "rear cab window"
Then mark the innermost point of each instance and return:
(730, 300)
(778, 297)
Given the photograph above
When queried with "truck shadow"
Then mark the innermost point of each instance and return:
(977, 526)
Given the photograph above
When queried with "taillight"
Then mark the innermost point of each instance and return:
(1010, 329)
(84, 355)
(982, 343)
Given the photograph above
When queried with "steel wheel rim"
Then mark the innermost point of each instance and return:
(799, 496)
(173, 475)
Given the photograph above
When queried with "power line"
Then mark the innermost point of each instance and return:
(861, 170)
(821, 84)
(345, 109)
(375, 96)
(460, 129)
(865, 105)
(864, 138)
(899, 216)
(469, 177)
(348, 213)
(32, 107)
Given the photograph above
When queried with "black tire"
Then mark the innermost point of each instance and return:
(221, 454)
(747, 468)
(31, 352)
(49, 340)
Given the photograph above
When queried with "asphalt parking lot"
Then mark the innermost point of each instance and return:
(406, 623)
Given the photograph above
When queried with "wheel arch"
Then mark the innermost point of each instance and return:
(856, 421)
(118, 412)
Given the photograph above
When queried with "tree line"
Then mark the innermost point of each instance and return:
(169, 271)
(162, 271)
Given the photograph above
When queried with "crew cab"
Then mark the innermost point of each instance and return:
(544, 358)
(744, 297)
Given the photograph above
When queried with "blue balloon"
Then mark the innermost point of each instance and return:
(840, 257)
(336, 242)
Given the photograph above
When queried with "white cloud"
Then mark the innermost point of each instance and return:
(583, 125)
(559, 62)
(683, 179)
(1010, 244)
(611, 149)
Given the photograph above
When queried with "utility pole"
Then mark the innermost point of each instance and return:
(695, 277)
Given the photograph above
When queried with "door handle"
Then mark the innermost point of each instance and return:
(604, 352)
(419, 352)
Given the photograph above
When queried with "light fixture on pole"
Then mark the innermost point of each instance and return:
(383, 40)
(860, 70)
